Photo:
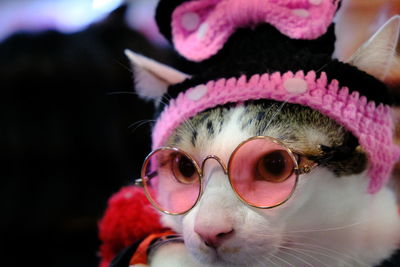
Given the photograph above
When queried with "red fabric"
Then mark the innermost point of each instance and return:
(129, 217)
(140, 256)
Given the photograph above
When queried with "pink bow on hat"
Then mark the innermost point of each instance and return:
(200, 28)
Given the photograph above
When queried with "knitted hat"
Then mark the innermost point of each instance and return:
(279, 50)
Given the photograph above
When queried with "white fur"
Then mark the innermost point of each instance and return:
(153, 78)
(329, 221)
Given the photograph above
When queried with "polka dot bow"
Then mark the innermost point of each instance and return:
(201, 28)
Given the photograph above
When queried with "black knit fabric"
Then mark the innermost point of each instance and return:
(265, 50)
(164, 12)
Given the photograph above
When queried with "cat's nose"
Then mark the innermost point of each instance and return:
(213, 236)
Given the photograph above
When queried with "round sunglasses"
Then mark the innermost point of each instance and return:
(262, 172)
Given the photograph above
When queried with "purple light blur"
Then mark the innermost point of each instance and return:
(63, 15)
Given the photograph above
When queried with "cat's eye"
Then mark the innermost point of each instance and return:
(262, 171)
(171, 179)
(184, 169)
(275, 167)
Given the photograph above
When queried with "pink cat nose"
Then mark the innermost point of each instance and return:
(213, 236)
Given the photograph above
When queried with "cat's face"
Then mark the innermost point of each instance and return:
(241, 234)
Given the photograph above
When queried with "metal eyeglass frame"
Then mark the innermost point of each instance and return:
(200, 171)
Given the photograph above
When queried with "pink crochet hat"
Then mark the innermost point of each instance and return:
(284, 54)
(372, 124)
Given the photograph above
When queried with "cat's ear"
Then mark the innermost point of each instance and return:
(380, 55)
(152, 78)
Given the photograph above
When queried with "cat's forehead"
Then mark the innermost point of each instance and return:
(220, 130)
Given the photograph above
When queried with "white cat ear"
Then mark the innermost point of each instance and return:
(380, 55)
(151, 77)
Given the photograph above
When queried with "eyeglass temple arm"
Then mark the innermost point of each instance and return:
(306, 167)
(139, 181)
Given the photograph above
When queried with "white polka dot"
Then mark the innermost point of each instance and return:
(295, 85)
(315, 2)
(301, 13)
(201, 33)
(197, 93)
(128, 195)
(190, 21)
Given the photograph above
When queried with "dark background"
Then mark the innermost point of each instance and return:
(68, 138)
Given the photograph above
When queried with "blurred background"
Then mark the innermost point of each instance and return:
(72, 131)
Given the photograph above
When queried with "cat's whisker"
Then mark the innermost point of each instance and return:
(123, 65)
(326, 255)
(161, 101)
(308, 252)
(136, 125)
(303, 252)
(267, 259)
(323, 67)
(344, 227)
(347, 260)
(166, 97)
(261, 132)
(190, 125)
(182, 132)
(295, 256)
(263, 260)
(282, 260)
(313, 246)
(274, 115)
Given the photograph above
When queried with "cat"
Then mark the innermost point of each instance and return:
(330, 220)
(320, 225)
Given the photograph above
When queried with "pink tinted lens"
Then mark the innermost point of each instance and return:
(171, 181)
(262, 172)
